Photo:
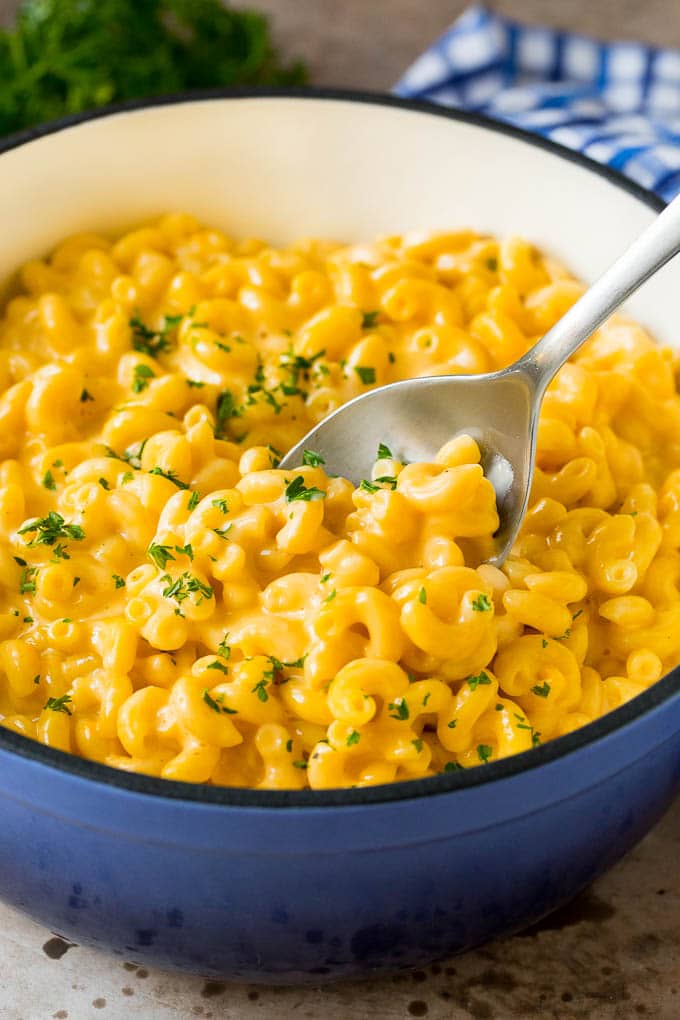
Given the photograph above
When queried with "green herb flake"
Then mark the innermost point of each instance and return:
(217, 704)
(194, 500)
(369, 320)
(76, 582)
(484, 752)
(221, 505)
(422, 596)
(312, 459)
(59, 704)
(289, 746)
(418, 744)
(453, 766)
(541, 690)
(170, 476)
(384, 452)
(141, 376)
(185, 550)
(366, 486)
(48, 530)
(482, 604)
(329, 598)
(27, 583)
(260, 689)
(48, 481)
(427, 698)
(353, 738)
(297, 491)
(399, 710)
(85, 396)
(482, 679)
(118, 580)
(366, 373)
(218, 665)
(36, 679)
(160, 554)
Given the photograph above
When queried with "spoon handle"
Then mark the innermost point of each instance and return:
(648, 253)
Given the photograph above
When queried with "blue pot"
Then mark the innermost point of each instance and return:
(307, 886)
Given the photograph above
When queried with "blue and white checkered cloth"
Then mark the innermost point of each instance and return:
(618, 103)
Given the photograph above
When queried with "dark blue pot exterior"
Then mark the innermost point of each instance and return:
(303, 893)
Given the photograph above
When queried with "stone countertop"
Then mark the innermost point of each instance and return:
(613, 954)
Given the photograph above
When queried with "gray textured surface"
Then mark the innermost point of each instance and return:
(612, 955)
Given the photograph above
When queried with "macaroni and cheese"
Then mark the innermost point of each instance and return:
(174, 604)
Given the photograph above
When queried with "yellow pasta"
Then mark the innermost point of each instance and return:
(173, 603)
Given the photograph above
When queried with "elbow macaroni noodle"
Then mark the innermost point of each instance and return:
(173, 604)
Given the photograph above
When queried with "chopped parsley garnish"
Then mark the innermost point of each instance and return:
(85, 396)
(160, 554)
(194, 500)
(544, 643)
(225, 409)
(399, 710)
(184, 586)
(452, 766)
(384, 452)
(48, 480)
(482, 604)
(76, 581)
(522, 724)
(366, 373)
(418, 744)
(275, 455)
(484, 752)
(170, 476)
(480, 680)
(48, 530)
(492, 264)
(369, 319)
(223, 648)
(452, 725)
(59, 704)
(312, 459)
(217, 704)
(329, 598)
(194, 384)
(353, 738)
(36, 679)
(422, 596)
(104, 484)
(389, 480)
(118, 580)
(141, 376)
(296, 490)
(427, 698)
(260, 689)
(289, 746)
(218, 665)
(27, 583)
(367, 486)
(325, 577)
(221, 504)
(499, 707)
(541, 690)
(150, 341)
(391, 357)
(185, 550)
(300, 764)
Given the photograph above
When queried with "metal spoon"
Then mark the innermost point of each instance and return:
(500, 410)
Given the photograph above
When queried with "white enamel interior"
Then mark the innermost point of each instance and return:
(281, 168)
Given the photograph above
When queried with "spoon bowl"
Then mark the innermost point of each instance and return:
(415, 418)
(500, 410)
